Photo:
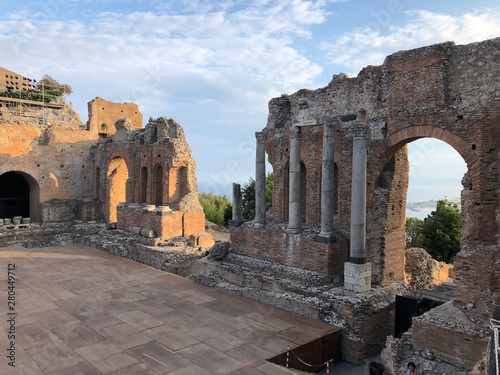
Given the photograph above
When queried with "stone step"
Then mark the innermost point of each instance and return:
(254, 273)
(271, 269)
(287, 294)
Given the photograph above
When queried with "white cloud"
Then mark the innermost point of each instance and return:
(369, 45)
(235, 56)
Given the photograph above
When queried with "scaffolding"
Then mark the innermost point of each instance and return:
(15, 111)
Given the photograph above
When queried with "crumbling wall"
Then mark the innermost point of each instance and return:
(102, 111)
(442, 91)
(57, 165)
(423, 272)
(159, 192)
(298, 250)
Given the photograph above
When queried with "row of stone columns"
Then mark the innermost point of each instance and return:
(357, 273)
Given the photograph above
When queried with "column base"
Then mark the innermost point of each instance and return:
(236, 222)
(293, 230)
(259, 225)
(357, 277)
(325, 237)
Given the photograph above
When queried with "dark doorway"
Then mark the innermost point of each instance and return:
(14, 196)
(409, 307)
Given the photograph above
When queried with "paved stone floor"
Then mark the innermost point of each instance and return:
(79, 310)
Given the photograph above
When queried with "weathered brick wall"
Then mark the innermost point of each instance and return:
(302, 251)
(56, 163)
(102, 111)
(442, 91)
(449, 344)
(366, 322)
(160, 172)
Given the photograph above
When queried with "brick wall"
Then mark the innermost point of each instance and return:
(449, 344)
(443, 91)
(296, 250)
(102, 111)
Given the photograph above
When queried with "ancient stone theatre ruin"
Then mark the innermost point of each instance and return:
(60, 179)
(332, 246)
(340, 168)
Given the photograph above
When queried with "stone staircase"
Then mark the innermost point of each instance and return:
(291, 288)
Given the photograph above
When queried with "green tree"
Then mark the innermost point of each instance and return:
(214, 207)
(441, 231)
(414, 235)
(248, 196)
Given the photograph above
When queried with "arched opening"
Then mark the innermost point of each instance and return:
(19, 196)
(270, 184)
(117, 186)
(303, 192)
(431, 171)
(143, 185)
(436, 174)
(158, 186)
(14, 196)
(436, 171)
(286, 192)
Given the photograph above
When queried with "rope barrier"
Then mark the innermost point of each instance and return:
(327, 363)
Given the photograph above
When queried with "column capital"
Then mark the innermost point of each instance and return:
(295, 132)
(325, 119)
(260, 136)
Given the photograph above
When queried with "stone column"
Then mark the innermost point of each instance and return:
(327, 182)
(237, 218)
(237, 202)
(260, 180)
(294, 225)
(357, 273)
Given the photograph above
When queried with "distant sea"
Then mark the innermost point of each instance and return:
(421, 213)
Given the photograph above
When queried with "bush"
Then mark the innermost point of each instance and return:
(215, 207)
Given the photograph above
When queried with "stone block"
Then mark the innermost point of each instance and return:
(204, 240)
(357, 277)
(149, 233)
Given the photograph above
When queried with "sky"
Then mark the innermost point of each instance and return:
(213, 66)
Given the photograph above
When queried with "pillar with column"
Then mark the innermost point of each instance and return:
(357, 272)
(327, 183)
(294, 222)
(260, 180)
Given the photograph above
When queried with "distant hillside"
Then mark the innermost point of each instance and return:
(418, 206)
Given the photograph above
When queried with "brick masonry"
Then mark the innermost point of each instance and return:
(443, 91)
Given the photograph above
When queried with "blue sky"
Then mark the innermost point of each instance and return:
(214, 65)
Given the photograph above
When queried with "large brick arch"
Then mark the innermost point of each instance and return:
(387, 250)
(385, 150)
(117, 176)
(32, 194)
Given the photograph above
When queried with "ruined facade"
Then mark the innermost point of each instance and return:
(138, 180)
(339, 160)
